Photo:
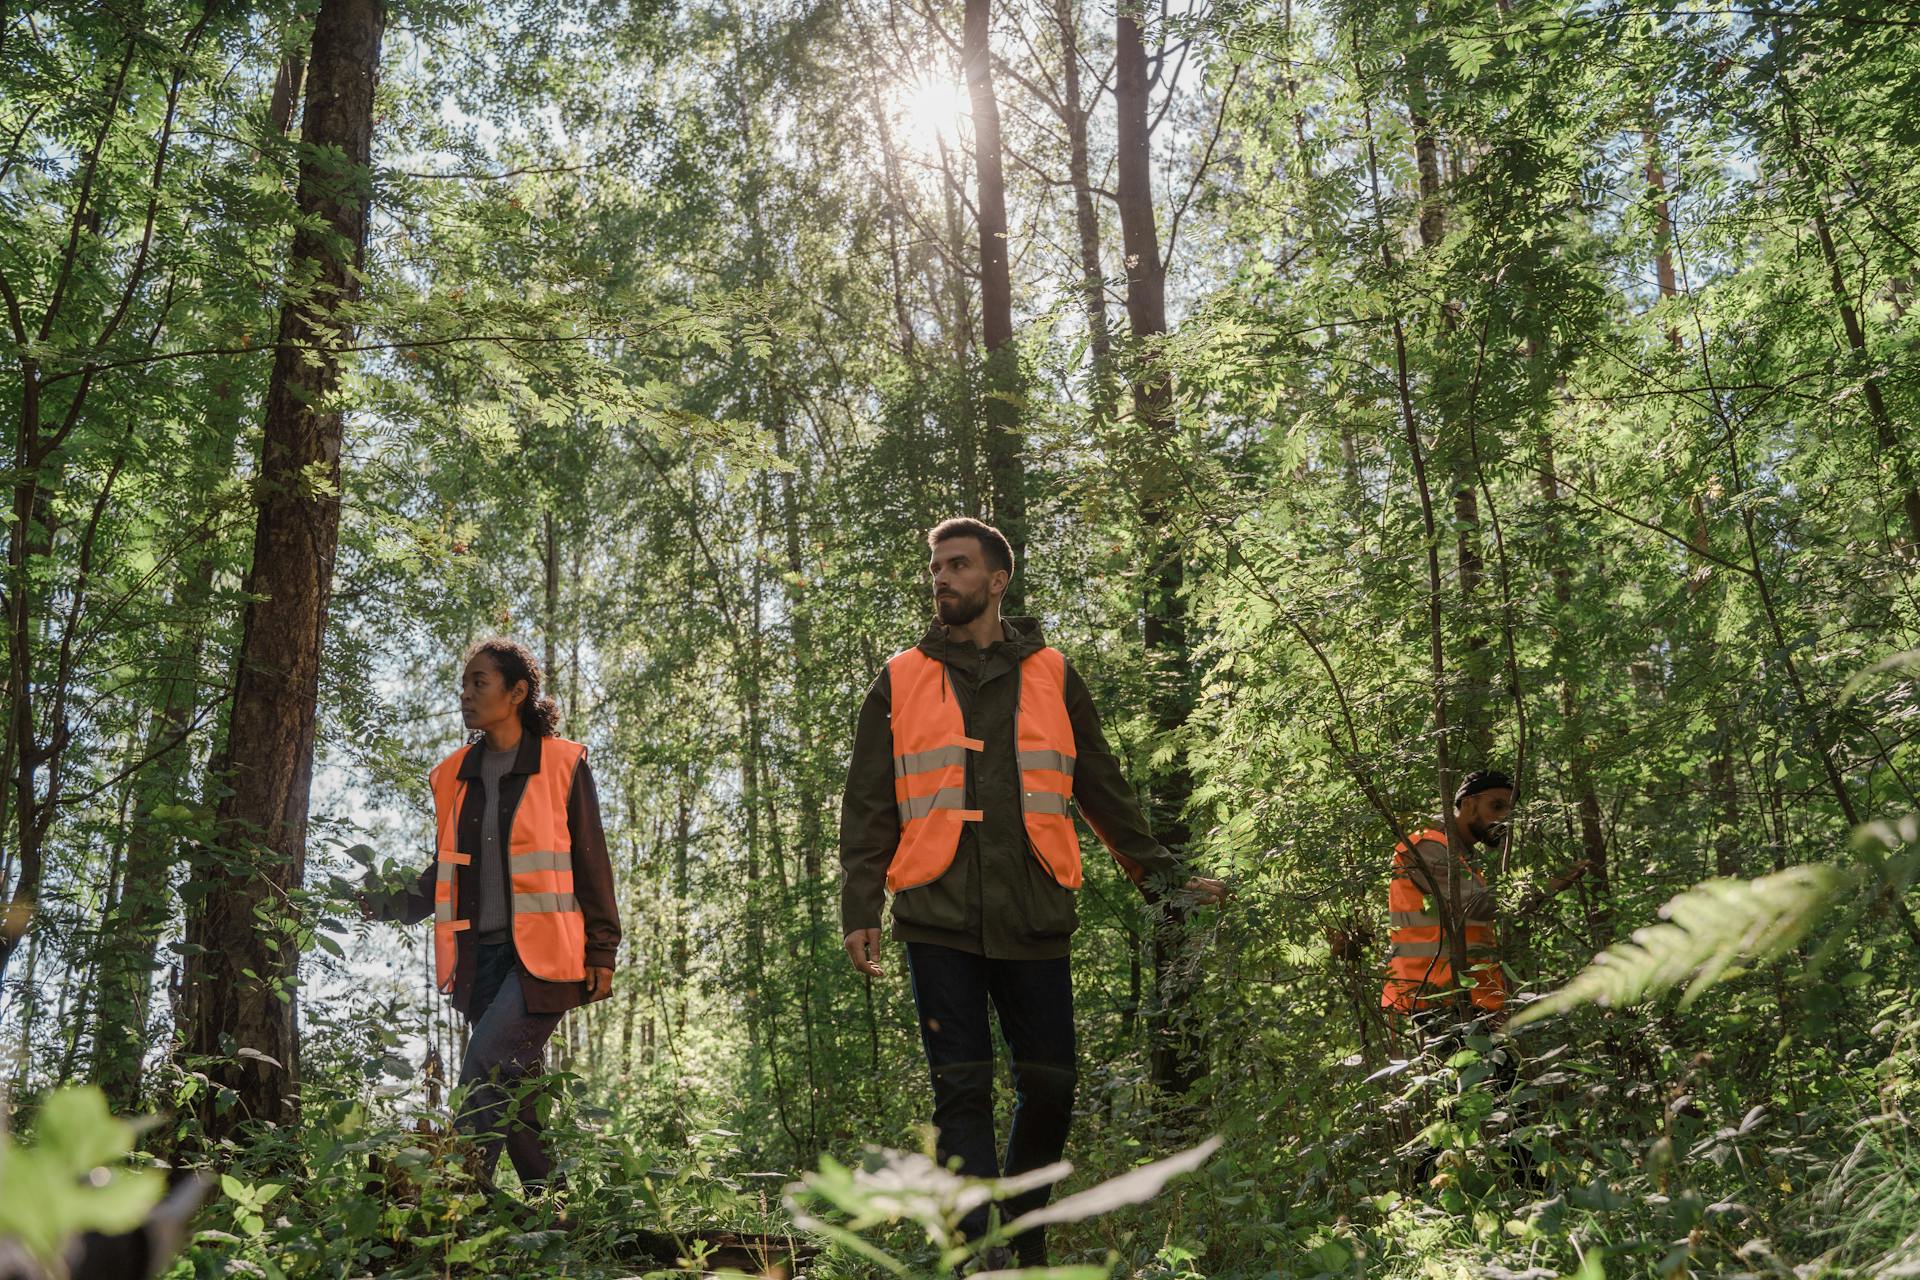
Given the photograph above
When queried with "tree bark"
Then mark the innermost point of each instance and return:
(1593, 841)
(1453, 922)
(286, 91)
(1476, 710)
(800, 641)
(959, 318)
(681, 953)
(244, 977)
(549, 595)
(1178, 1050)
(1663, 271)
(1074, 114)
(1006, 462)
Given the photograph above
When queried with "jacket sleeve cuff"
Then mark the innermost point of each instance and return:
(600, 958)
(1161, 871)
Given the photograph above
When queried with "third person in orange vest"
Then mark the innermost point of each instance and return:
(971, 752)
(1419, 959)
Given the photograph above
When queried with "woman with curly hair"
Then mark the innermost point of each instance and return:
(521, 894)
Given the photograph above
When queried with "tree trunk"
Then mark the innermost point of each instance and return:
(1086, 220)
(1476, 709)
(750, 804)
(1452, 922)
(244, 979)
(1662, 232)
(1593, 841)
(286, 91)
(1178, 1053)
(959, 318)
(681, 953)
(1006, 463)
(800, 637)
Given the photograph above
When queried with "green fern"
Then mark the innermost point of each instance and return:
(1708, 930)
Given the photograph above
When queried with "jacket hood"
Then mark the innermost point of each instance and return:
(1023, 639)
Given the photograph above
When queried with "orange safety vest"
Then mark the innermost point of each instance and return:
(1417, 960)
(930, 746)
(549, 931)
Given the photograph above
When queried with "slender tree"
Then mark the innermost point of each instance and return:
(1178, 1050)
(1006, 459)
(244, 971)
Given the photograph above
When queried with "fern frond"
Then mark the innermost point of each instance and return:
(1709, 929)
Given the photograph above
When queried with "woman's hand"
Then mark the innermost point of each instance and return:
(599, 984)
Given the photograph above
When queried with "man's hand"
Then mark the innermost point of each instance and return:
(863, 948)
(599, 984)
(1210, 892)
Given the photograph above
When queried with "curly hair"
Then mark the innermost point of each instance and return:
(539, 714)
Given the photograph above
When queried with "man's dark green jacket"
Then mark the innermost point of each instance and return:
(996, 900)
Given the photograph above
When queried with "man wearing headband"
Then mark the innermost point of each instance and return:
(1419, 971)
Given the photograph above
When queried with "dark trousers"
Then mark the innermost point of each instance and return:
(1034, 1000)
(1442, 1032)
(504, 1043)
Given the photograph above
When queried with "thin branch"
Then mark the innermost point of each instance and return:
(1200, 171)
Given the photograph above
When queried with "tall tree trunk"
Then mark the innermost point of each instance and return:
(549, 595)
(750, 803)
(286, 91)
(1178, 1053)
(1006, 461)
(1663, 272)
(244, 977)
(1453, 923)
(1723, 790)
(960, 329)
(800, 639)
(1476, 666)
(1074, 114)
(1593, 840)
(681, 953)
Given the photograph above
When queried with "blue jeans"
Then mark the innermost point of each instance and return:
(1034, 1000)
(504, 1043)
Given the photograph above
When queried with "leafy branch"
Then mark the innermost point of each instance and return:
(1713, 930)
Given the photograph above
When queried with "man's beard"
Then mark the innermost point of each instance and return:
(961, 610)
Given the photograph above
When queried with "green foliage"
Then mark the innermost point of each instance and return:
(1710, 929)
(890, 1187)
(72, 1176)
(668, 356)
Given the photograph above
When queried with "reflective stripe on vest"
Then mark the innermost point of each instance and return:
(930, 746)
(1419, 970)
(1043, 739)
(549, 931)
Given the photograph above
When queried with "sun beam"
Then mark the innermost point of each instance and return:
(931, 110)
